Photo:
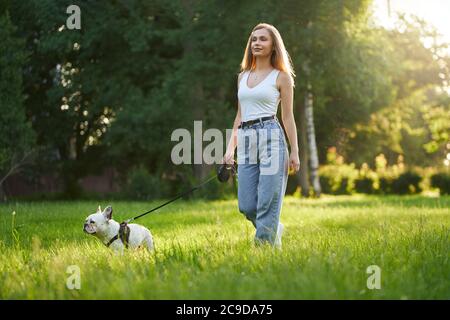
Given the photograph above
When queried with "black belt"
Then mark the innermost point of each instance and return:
(249, 123)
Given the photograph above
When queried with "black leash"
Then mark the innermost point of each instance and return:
(223, 173)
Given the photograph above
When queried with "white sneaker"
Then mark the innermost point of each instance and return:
(280, 230)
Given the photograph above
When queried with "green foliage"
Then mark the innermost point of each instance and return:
(385, 185)
(16, 135)
(407, 183)
(141, 185)
(412, 124)
(364, 185)
(337, 177)
(441, 181)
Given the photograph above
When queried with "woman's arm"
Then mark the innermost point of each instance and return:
(287, 116)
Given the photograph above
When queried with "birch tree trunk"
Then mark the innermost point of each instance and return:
(312, 146)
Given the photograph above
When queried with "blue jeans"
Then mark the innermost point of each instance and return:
(262, 176)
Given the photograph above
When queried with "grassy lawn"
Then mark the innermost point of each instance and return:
(204, 250)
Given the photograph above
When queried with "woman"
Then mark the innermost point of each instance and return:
(263, 160)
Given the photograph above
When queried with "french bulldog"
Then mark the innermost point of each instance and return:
(102, 226)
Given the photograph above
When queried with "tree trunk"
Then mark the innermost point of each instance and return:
(69, 170)
(312, 147)
(303, 177)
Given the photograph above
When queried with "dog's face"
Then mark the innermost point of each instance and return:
(98, 222)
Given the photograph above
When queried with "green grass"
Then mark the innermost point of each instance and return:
(204, 250)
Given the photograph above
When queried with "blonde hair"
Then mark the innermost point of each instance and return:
(280, 58)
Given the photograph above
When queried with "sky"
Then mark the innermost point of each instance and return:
(436, 12)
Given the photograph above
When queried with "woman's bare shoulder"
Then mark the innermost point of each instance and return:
(284, 79)
(240, 77)
(283, 76)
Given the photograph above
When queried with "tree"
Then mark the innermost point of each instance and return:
(16, 136)
(411, 124)
(79, 81)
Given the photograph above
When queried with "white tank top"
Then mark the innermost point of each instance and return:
(260, 101)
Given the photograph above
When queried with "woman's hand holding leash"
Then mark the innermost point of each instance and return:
(228, 158)
(227, 168)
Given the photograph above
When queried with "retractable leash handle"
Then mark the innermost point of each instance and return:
(224, 171)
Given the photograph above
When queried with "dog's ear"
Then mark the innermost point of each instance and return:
(99, 209)
(108, 212)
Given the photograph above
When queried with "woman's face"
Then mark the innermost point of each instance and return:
(261, 43)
